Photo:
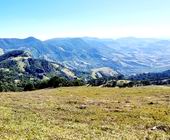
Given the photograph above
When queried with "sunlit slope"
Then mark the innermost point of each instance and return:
(86, 113)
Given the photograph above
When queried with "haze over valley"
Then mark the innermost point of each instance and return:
(124, 55)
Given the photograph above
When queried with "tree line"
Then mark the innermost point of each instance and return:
(29, 85)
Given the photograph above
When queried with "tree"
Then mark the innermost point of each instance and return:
(55, 82)
(77, 82)
(145, 82)
(29, 86)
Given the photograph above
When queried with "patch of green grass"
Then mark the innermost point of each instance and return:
(86, 113)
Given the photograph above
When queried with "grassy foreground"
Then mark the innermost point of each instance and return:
(86, 113)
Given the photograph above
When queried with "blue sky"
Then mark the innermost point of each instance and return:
(75, 18)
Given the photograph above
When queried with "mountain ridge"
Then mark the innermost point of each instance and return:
(22, 63)
(125, 55)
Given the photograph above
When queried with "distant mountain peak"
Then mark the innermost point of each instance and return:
(32, 39)
(126, 55)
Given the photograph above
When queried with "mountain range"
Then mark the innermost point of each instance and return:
(19, 64)
(124, 55)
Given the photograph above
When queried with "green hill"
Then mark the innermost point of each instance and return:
(18, 67)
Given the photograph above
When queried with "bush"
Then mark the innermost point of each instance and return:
(77, 82)
(29, 86)
(145, 82)
(41, 84)
(56, 82)
(97, 82)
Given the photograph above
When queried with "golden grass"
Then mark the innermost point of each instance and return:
(86, 113)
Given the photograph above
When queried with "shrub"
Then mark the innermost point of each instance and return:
(77, 82)
(29, 86)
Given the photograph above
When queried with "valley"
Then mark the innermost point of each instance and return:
(125, 55)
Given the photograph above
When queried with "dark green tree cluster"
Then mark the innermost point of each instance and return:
(10, 81)
(53, 82)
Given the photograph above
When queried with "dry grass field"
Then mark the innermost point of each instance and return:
(86, 113)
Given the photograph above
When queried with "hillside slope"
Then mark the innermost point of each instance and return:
(20, 64)
(86, 113)
(125, 55)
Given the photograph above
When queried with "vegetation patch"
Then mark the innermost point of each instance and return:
(86, 113)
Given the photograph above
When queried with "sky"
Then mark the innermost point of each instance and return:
(46, 19)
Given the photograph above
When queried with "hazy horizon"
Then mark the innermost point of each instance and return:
(102, 19)
(113, 38)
